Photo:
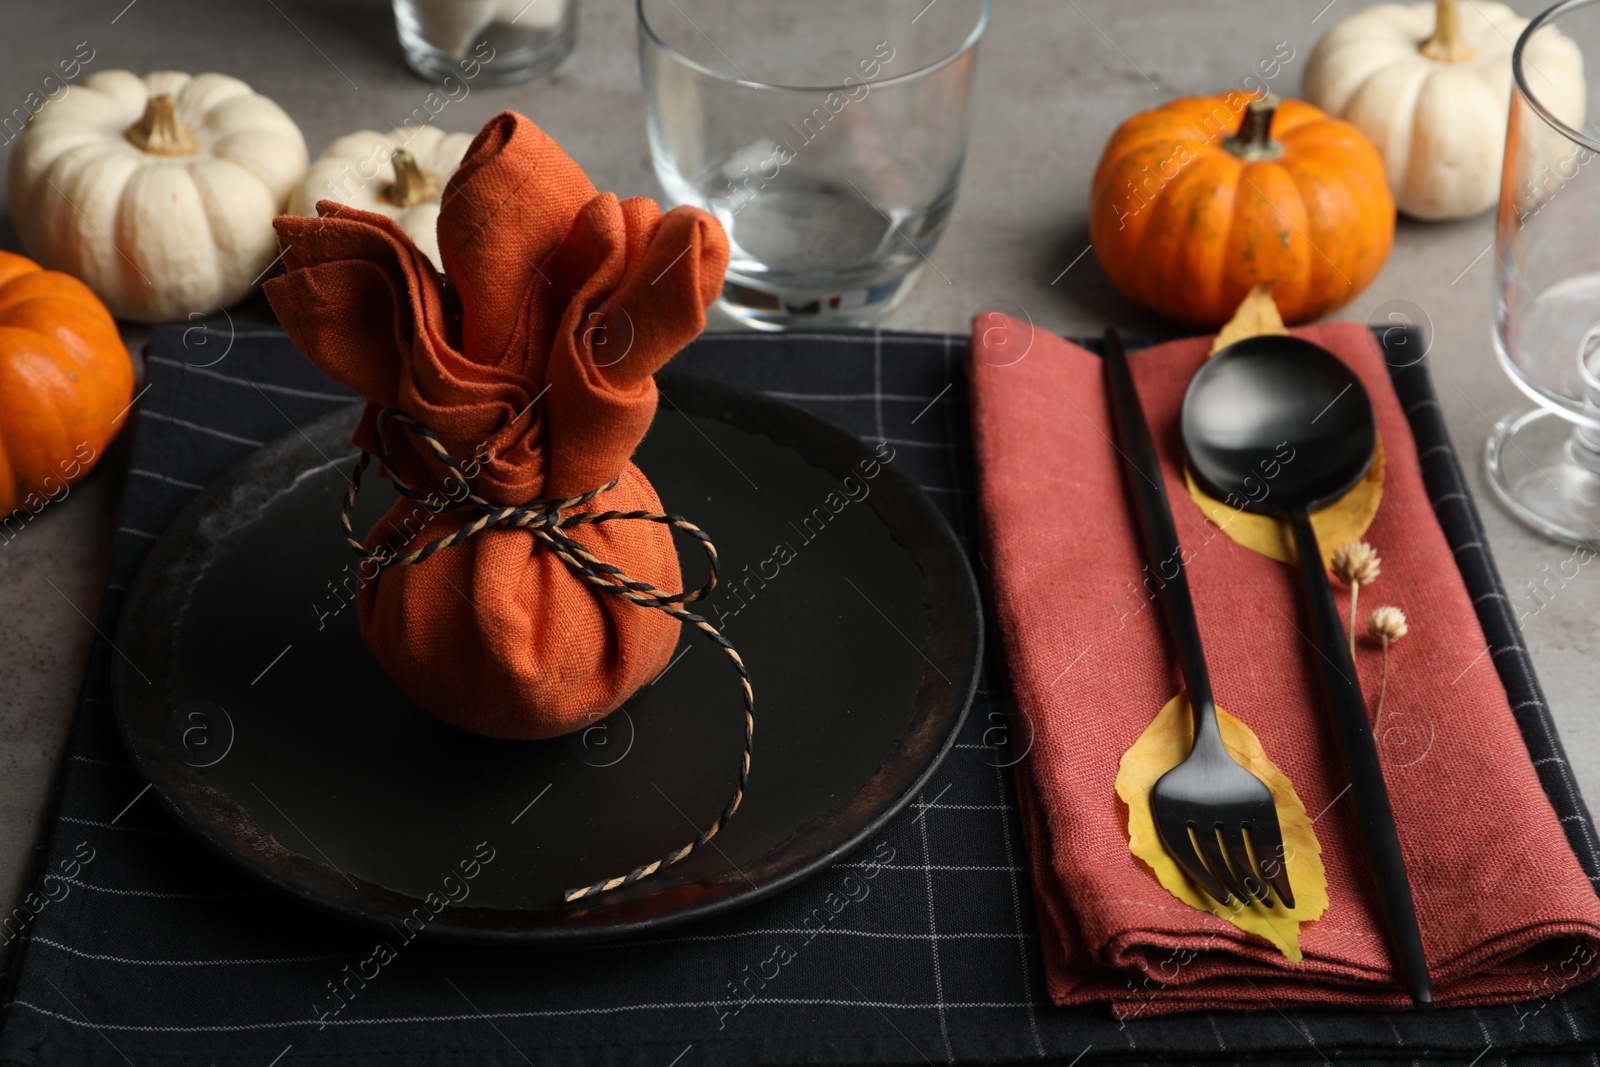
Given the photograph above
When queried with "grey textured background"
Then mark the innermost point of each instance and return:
(1057, 78)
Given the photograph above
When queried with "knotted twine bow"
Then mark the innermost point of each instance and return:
(547, 520)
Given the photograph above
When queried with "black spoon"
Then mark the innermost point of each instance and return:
(1281, 426)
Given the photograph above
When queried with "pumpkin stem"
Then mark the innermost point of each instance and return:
(159, 132)
(1254, 139)
(412, 184)
(1447, 45)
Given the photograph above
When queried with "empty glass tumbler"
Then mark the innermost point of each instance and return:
(828, 137)
(498, 42)
(1544, 464)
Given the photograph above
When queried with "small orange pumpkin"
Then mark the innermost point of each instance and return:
(1195, 202)
(65, 383)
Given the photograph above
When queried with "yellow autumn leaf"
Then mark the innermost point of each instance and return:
(1163, 745)
(1339, 523)
(1257, 315)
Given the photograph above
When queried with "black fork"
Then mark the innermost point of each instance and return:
(1203, 806)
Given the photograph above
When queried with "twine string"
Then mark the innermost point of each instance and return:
(548, 520)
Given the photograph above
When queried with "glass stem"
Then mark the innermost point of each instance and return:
(1584, 447)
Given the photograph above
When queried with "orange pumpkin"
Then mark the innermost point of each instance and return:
(1195, 202)
(65, 383)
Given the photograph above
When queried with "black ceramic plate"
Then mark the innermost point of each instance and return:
(273, 734)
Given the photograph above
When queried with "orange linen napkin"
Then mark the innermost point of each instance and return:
(1505, 910)
(533, 365)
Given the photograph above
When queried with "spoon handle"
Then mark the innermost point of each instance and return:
(1162, 550)
(1358, 752)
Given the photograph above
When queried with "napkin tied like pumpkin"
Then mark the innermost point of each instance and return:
(531, 359)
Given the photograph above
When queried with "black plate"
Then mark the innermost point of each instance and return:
(272, 733)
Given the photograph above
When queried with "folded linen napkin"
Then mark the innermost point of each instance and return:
(1505, 910)
(533, 366)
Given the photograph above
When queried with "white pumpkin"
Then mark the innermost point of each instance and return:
(1429, 84)
(399, 174)
(158, 192)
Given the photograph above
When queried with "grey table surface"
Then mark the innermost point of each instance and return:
(1056, 80)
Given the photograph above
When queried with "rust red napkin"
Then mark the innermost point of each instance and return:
(1505, 910)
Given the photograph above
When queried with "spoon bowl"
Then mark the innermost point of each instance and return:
(1276, 424)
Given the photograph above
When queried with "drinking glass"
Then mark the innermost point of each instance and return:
(498, 41)
(828, 137)
(1544, 464)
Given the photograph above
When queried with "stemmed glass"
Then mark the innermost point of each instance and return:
(1544, 464)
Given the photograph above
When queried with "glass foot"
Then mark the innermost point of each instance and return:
(790, 309)
(504, 54)
(1547, 475)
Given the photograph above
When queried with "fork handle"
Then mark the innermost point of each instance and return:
(1163, 552)
(1358, 752)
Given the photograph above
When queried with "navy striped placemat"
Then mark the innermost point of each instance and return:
(142, 947)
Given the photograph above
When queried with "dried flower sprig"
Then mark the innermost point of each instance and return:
(1386, 625)
(1356, 564)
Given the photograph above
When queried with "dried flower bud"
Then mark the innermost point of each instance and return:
(1387, 624)
(1356, 564)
